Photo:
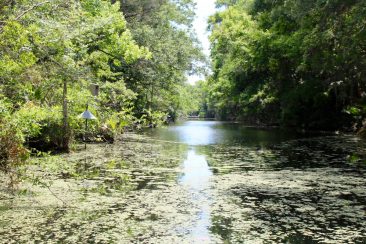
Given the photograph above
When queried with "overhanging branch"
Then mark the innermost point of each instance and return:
(2, 23)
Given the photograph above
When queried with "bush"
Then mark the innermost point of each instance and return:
(12, 152)
(153, 118)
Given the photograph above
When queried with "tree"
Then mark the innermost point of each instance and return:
(298, 63)
(165, 28)
(49, 47)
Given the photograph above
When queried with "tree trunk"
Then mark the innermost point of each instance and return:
(66, 130)
(151, 104)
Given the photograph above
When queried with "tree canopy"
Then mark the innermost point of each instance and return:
(297, 63)
(137, 52)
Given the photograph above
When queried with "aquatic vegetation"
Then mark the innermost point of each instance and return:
(144, 189)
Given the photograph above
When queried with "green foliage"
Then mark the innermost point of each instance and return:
(152, 118)
(12, 152)
(52, 51)
(299, 63)
(31, 118)
(163, 27)
(43, 49)
(197, 100)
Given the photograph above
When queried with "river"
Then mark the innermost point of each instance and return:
(197, 182)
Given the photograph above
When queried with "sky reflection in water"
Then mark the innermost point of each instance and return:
(196, 177)
(235, 145)
(196, 171)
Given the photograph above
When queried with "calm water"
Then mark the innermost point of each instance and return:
(200, 133)
(231, 150)
(197, 182)
(197, 174)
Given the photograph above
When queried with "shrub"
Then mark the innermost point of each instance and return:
(12, 152)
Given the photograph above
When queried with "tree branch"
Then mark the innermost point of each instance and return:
(30, 9)
(125, 64)
(2, 23)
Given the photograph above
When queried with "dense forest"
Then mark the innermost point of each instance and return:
(52, 52)
(292, 63)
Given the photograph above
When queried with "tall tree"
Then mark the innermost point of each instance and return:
(165, 28)
(298, 63)
(48, 47)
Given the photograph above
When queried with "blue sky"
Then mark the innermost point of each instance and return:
(204, 9)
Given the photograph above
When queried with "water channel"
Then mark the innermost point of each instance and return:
(198, 182)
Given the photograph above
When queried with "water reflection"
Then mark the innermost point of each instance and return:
(196, 177)
(268, 198)
(196, 172)
(199, 182)
(198, 133)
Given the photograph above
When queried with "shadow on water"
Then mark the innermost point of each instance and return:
(299, 239)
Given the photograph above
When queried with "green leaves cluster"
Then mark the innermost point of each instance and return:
(48, 48)
(298, 63)
(165, 28)
(137, 52)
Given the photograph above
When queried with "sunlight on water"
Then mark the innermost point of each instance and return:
(196, 177)
(196, 172)
(198, 133)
